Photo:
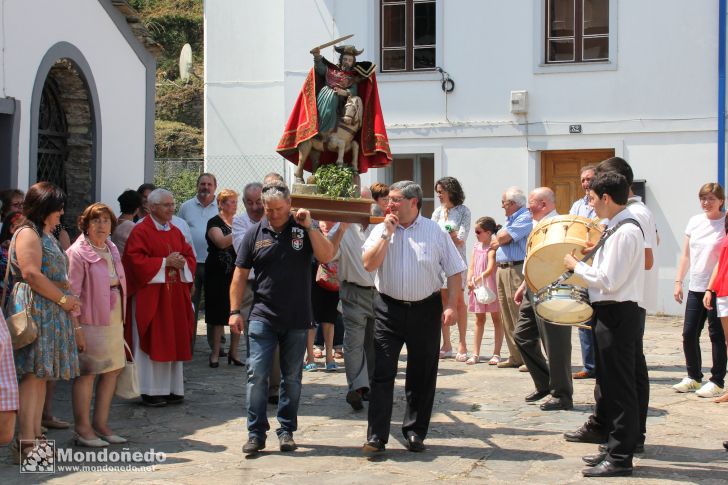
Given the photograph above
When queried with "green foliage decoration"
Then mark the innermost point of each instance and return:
(336, 181)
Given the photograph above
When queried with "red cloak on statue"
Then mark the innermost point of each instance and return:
(164, 316)
(303, 125)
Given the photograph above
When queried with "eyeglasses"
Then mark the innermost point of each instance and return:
(506, 203)
(396, 200)
(98, 222)
(708, 199)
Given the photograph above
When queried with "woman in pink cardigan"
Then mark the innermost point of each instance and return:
(97, 277)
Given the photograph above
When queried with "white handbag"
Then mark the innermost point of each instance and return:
(127, 384)
(483, 294)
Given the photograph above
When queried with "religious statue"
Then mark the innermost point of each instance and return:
(337, 117)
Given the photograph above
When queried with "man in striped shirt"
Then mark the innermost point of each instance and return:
(408, 252)
(8, 386)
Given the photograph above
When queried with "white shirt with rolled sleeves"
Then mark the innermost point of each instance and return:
(416, 256)
(351, 267)
(617, 272)
(643, 215)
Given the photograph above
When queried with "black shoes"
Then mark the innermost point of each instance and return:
(414, 443)
(594, 460)
(536, 396)
(639, 448)
(214, 365)
(556, 404)
(353, 397)
(585, 435)
(154, 401)
(254, 445)
(607, 469)
(232, 360)
(286, 442)
(373, 446)
(174, 399)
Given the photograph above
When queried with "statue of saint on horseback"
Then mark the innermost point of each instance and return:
(337, 117)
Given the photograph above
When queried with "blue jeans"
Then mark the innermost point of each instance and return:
(586, 339)
(263, 341)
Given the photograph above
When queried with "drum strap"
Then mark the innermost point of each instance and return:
(602, 240)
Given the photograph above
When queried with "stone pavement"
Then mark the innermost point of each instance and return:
(482, 431)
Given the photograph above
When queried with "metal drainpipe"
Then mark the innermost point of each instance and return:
(721, 90)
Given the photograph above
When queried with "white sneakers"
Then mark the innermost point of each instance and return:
(687, 385)
(709, 389)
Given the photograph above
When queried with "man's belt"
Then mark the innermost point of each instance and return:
(389, 299)
(509, 264)
(359, 286)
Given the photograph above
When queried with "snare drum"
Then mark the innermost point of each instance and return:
(550, 241)
(563, 305)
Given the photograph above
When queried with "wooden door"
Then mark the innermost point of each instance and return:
(560, 170)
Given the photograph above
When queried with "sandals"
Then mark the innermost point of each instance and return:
(461, 357)
(495, 360)
(310, 367)
(474, 359)
(446, 355)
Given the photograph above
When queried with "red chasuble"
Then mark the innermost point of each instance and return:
(164, 316)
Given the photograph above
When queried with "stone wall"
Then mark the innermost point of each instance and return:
(74, 97)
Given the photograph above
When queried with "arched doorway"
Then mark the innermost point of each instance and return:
(64, 142)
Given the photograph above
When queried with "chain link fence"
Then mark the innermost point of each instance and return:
(179, 175)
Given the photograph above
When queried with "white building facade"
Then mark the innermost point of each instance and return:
(601, 77)
(76, 99)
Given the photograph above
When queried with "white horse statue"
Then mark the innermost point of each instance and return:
(340, 140)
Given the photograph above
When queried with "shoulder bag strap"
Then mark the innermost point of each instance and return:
(599, 244)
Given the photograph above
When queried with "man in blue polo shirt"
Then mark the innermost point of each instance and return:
(510, 246)
(279, 248)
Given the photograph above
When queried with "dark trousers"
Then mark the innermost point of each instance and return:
(555, 375)
(599, 421)
(622, 375)
(418, 326)
(695, 316)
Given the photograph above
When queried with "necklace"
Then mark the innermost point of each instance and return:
(103, 250)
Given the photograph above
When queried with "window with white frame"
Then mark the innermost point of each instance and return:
(408, 34)
(419, 168)
(576, 31)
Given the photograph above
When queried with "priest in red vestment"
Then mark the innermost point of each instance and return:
(160, 326)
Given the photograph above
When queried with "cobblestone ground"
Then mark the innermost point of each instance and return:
(482, 431)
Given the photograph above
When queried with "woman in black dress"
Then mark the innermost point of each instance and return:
(219, 267)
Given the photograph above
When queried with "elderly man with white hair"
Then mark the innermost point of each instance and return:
(159, 264)
(510, 246)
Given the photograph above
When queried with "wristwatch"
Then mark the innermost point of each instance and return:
(234, 312)
(384, 236)
(63, 300)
